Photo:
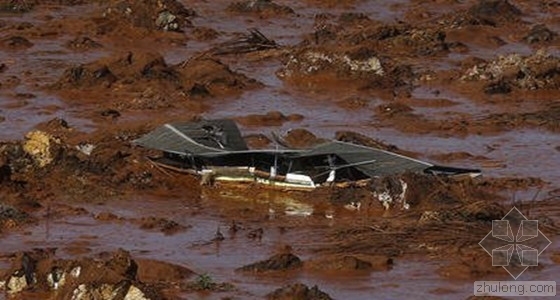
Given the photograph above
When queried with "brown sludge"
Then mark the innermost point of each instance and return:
(84, 214)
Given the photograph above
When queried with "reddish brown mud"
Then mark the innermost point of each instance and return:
(466, 83)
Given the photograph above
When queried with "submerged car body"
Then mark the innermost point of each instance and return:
(215, 150)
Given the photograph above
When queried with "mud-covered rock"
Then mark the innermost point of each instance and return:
(298, 291)
(113, 277)
(310, 61)
(167, 15)
(278, 262)
(539, 34)
(42, 147)
(538, 71)
(16, 283)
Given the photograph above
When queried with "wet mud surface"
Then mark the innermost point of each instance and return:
(83, 213)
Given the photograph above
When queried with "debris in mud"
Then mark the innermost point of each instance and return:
(262, 7)
(16, 43)
(538, 71)
(167, 15)
(390, 191)
(278, 262)
(254, 41)
(298, 291)
(307, 62)
(204, 282)
(83, 43)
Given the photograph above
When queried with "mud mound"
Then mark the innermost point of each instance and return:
(257, 141)
(15, 43)
(301, 138)
(264, 8)
(153, 83)
(153, 271)
(360, 139)
(350, 263)
(167, 15)
(540, 34)
(113, 277)
(211, 75)
(356, 30)
(538, 71)
(492, 12)
(83, 43)
(272, 118)
(22, 6)
(298, 291)
(543, 118)
(278, 262)
(131, 67)
(166, 226)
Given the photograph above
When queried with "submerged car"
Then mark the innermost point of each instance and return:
(215, 150)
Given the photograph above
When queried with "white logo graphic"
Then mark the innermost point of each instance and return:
(515, 253)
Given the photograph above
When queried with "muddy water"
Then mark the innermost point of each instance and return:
(515, 152)
(83, 235)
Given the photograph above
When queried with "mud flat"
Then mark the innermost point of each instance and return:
(83, 213)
